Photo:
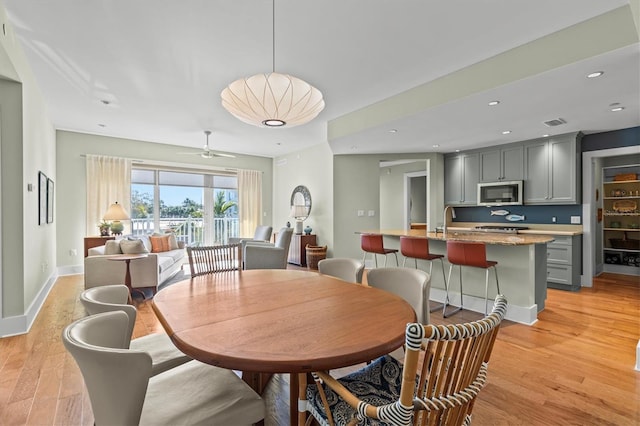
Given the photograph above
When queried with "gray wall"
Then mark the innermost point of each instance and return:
(357, 187)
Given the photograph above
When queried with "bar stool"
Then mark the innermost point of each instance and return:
(465, 253)
(372, 243)
(418, 248)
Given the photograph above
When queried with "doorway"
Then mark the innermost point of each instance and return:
(590, 162)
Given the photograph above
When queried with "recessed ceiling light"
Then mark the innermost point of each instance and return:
(506, 132)
(595, 74)
(102, 125)
(435, 145)
(494, 103)
(106, 102)
(457, 150)
(393, 131)
(545, 136)
(616, 109)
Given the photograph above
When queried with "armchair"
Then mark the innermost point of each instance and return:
(261, 255)
(262, 233)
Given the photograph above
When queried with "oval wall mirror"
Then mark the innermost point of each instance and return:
(301, 197)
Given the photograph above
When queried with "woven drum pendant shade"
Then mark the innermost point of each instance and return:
(272, 100)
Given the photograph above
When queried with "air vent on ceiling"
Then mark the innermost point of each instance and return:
(555, 122)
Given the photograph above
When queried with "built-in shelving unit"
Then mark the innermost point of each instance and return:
(621, 219)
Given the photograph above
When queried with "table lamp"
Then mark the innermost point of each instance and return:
(299, 212)
(115, 214)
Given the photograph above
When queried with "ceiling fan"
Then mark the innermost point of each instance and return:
(207, 152)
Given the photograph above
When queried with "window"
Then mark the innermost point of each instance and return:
(201, 208)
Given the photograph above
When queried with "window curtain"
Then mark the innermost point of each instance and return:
(108, 181)
(249, 201)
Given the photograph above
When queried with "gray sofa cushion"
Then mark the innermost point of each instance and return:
(132, 247)
(112, 247)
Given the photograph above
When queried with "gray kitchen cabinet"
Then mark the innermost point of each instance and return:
(502, 164)
(564, 263)
(461, 176)
(551, 170)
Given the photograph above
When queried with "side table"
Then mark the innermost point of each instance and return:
(91, 242)
(127, 258)
(298, 250)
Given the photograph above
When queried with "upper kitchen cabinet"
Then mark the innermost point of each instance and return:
(551, 170)
(502, 164)
(461, 177)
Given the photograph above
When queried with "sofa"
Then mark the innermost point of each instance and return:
(166, 256)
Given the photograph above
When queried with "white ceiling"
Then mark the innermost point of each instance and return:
(162, 64)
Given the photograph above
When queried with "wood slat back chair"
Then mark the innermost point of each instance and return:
(445, 367)
(211, 259)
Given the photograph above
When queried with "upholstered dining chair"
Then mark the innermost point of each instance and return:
(122, 391)
(211, 259)
(109, 298)
(259, 255)
(413, 285)
(444, 369)
(374, 244)
(341, 267)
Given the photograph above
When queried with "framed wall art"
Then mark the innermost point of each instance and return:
(50, 198)
(42, 198)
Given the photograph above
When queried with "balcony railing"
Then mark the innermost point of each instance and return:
(190, 230)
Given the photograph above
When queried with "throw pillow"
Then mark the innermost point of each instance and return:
(132, 247)
(145, 240)
(173, 242)
(112, 247)
(159, 244)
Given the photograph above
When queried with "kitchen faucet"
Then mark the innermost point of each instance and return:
(453, 216)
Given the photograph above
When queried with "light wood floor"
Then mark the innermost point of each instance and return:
(574, 366)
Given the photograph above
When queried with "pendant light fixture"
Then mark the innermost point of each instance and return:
(272, 100)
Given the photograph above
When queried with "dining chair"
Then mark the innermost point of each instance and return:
(413, 285)
(418, 248)
(260, 255)
(211, 259)
(444, 369)
(122, 390)
(374, 243)
(471, 254)
(109, 298)
(341, 267)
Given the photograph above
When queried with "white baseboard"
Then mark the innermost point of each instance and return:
(21, 324)
(71, 270)
(519, 314)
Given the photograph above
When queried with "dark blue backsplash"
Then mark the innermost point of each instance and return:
(532, 214)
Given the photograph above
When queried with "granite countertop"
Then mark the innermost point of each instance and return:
(465, 235)
(534, 229)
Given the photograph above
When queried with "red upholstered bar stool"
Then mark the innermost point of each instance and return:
(418, 248)
(372, 243)
(465, 253)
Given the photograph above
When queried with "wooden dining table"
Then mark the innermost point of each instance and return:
(281, 321)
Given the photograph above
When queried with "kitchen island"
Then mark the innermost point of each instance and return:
(522, 269)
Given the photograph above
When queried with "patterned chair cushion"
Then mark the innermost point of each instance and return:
(378, 383)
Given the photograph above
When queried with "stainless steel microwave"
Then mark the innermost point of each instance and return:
(500, 193)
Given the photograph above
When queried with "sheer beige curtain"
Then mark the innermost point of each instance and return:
(108, 181)
(249, 201)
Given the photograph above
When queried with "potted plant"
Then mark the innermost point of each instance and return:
(104, 228)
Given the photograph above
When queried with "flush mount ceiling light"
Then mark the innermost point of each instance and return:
(272, 100)
(595, 74)
(493, 103)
